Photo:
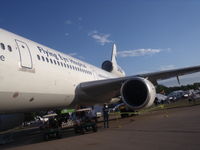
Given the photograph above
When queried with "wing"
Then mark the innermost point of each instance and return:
(115, 84)
(170, 73)
(101, 91)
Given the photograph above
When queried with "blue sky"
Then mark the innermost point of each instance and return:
(151, 35)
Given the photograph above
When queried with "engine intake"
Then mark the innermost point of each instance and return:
(138, 93)
(107, 65)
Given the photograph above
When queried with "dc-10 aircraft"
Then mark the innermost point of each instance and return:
(35, 77)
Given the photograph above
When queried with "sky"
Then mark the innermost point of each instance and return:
(151, 35)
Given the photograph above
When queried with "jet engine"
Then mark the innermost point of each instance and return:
(113, 68)
(138, 93)
(107, 66)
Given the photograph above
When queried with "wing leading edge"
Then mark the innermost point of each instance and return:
(101, 91)
(153, 77)
(162, 75)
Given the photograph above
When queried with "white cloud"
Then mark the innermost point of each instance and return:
(81, 57)
(142, 72)
(76, 55)
(168, 67)
(168, 49)
(66, 34)
(72, 54)
(138, 52)
(68, 22)
(101, 38)
(80, 18)
(75, 23)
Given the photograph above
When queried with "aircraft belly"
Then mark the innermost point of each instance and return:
(20, 102)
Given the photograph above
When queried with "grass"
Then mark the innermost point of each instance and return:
(177, 104)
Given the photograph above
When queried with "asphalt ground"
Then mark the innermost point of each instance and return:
(174, 129)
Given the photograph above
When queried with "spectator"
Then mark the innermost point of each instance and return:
(106, 116)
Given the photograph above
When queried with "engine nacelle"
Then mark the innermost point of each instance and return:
(107, 66)
(112, 68)
(138, 93)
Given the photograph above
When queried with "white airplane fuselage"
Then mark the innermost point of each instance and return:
(34, 76)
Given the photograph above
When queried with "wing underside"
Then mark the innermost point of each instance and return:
(101, 91)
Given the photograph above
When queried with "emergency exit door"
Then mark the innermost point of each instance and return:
(25, 55)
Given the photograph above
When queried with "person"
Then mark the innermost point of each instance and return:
(106, 116)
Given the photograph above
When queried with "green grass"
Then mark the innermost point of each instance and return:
(178, 104)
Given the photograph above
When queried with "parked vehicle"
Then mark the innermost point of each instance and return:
(160, 99)
(84, 122)
(177, 95)
(51, 128)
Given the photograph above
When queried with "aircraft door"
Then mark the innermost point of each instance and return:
(25, 55)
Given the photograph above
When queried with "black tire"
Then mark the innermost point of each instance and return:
(87, 128)
(76, 130)
(94, 128)
(124, 115)
(46, 137)
(58, 135)
(82, 130)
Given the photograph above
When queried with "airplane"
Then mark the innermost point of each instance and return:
(35, 77)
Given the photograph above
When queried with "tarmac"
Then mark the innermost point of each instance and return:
(174, 129)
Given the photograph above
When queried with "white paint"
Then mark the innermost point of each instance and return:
(39, 83)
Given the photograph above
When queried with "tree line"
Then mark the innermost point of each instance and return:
(166, 90)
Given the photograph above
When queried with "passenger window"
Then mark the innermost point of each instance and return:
(47, 59)
(54, 62)
(38, 57)
(9, 48)
(58, 63)
(43, 58)
(2, 46)
(61, 64)
(51, 61)
(65, 65)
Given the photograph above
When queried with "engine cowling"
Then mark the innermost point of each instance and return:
(138, 93)
(107, 66)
